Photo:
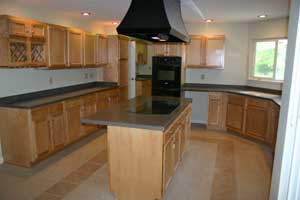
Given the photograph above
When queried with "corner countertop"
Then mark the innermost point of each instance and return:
(119, 115)
(273, 95)
(41, 98)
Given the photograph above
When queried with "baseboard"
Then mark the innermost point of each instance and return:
(198, 122)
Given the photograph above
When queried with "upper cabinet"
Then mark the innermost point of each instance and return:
(167, 49)
(22, 42)
(75, 48)
(117, 69)
(206, 51)
(90, 49)
(28, 43)
(102, 50)
(141, 53)
(57, 39)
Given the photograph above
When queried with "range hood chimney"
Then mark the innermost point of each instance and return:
(155, 21)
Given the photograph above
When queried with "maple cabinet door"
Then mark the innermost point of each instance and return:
(42, 137)
(73, 124)
(90, 50)
(58, 131)
(57, 46)
(75, 48)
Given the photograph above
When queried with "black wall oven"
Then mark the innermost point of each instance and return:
(166, 76)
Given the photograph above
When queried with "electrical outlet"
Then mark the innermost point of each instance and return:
(50, 80)
(202, 76)
(91, 75)
(86, 75)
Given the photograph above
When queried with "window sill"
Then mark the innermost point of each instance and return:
(265, 80)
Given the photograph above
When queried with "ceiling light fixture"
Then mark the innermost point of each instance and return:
(262, 16)
(209, 20)
(86, 13)
(155, 38)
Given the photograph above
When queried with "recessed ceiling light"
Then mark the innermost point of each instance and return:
(262, 16)
(209, 20)
(115, 23)
(85, 13)
(155, 38)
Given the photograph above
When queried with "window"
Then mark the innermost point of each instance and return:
(269, 59)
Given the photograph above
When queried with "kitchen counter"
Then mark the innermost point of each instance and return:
(144, 148)
(120, 115)
(274, 95)
(41, 98)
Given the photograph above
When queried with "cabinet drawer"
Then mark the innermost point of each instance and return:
(214, 95)
(258, 102)
(236, 99)
(91, 98)
(39, 114)
(172, 131)
(56, 109)
(73, 103)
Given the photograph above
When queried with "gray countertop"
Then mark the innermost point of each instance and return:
(42, 98)
(262, 93)
(119, 115)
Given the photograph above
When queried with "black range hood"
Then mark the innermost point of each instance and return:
(155, 21)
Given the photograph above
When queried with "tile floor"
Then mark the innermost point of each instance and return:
(216, 166)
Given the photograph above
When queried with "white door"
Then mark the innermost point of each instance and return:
(131, 69)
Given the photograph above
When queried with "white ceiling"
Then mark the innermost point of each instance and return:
(106, 11)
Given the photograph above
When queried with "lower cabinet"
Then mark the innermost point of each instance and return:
(143, 88)
(72, 116)
(217, 105)
(58, 133)
(89, 107)
(31, 135)
(235, 113)
(57, 126)
(41, 131)
(176, 142)
(273, 125)
(257, 118)
(253, 117)
(169, 161)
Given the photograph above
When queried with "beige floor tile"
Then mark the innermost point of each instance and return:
(217, 165)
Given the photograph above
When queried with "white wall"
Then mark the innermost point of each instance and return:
(238, 37)
(236, 51)
(19, 81)
(199, 106)
(235, 72)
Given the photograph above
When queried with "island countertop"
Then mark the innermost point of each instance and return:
(120, 114)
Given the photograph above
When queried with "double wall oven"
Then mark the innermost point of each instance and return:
(166, 76)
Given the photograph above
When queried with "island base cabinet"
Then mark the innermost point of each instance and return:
(135, 163)
(142, 162)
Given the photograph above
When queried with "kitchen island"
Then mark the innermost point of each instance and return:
(147, 137)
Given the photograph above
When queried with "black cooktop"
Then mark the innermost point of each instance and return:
(158, 107)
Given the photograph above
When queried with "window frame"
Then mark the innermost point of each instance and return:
(253, 57)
